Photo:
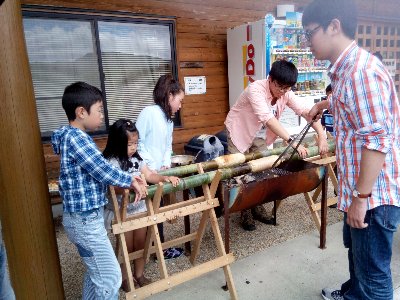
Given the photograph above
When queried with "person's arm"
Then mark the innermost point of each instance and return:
(275, 126)
(370, 166)
(90, 158)
(322, 142)
(317, 110)
(153, 177)
(371, 113)
(166, 162)
(144, 126)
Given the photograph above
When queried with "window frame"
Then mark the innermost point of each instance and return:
(95, 16)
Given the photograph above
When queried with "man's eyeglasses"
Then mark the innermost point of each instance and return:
(309, 33)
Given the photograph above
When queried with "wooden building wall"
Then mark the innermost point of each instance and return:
(201, 39)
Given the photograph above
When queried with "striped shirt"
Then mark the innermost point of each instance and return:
(84, 172)
(366, 114)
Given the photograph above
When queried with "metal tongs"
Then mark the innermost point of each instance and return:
(302, 134)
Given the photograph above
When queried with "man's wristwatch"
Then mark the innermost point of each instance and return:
(357, 194)
(289, 140)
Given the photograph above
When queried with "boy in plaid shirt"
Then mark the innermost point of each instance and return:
(84, 176)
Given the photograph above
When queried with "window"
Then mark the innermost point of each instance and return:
(122, 55)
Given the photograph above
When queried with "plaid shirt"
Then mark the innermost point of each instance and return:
(366, 114)
(84, 172)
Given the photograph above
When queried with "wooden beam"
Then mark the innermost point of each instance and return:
(25, 209)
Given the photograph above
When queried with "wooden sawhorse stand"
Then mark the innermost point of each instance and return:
(155, 215)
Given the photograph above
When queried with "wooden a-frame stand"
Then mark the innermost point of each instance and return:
(156, 214)
(329, 162)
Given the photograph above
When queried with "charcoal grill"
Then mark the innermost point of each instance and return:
(291, 178)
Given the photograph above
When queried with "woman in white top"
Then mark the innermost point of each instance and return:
(155, 127)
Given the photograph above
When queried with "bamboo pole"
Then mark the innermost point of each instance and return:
(212, 164)
(25, 210)
(226, 173)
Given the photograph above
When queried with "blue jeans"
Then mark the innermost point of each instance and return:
(103, 275)
(6, 291)
(370, 254)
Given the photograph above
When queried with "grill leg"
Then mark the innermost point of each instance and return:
(324, 208)
(275, 209)
(225, 200)
(186, 221)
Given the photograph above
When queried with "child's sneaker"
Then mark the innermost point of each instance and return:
(171, 253)
(331, 294)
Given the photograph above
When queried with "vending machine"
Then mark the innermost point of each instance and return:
(254, 46)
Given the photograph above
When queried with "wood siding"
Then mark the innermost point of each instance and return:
(201, 41)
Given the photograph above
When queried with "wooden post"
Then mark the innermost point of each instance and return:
(25, 210)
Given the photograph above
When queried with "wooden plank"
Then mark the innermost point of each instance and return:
(311, 206)
(198, 109)
(181, 277)
(202, 54)
(325, 161)
(205, 71)
(165, 245)
(202, 40)
(210, 120)
(146, 221)
(205, 98)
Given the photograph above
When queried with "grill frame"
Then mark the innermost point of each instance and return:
(303, 177)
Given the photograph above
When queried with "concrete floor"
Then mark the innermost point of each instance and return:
(296, 269)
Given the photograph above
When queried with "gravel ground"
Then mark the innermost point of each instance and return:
(294, 219)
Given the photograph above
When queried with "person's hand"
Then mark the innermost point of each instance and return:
(139, 187)
(303, 152)
(315, 113)
(356, 213)
(173, 180)
(323, 146)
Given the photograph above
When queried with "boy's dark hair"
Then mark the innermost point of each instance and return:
(284, 72)
(80, 94)
(322, 12)
(166, 85)
(117, 143)
(328, 89)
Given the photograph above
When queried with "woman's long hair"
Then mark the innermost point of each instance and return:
(165, 86)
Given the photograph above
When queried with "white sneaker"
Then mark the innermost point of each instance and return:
(331, 294)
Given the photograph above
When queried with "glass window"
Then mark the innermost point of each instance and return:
(378, 42)
(385, 43)
(360, 29)
(123, 57)
(360, 42)
(368, 30)
(133, 56)
(379, 30)
(57, 59)
(368, 43)
(385, 30)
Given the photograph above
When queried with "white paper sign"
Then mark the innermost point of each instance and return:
(390, 65)
(195, 85)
